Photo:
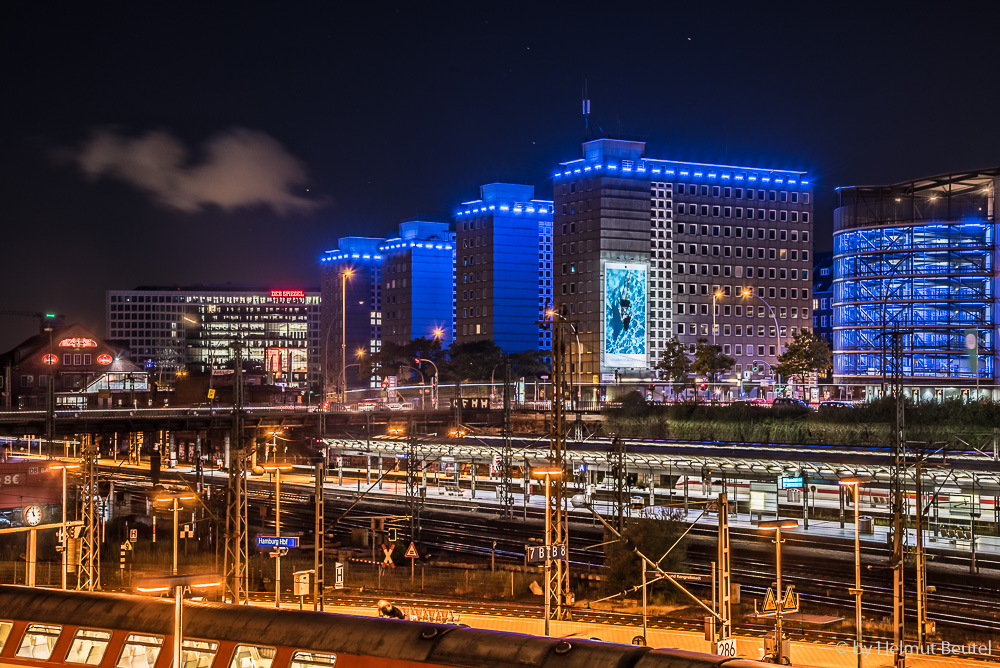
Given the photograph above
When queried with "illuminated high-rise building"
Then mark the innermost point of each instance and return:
(504, 267)
(649, 249)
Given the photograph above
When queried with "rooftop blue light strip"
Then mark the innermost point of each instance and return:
(698, 173)
(725, 176)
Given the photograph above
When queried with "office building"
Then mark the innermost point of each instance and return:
(351, 274)
(418, 283)
(914, 287)
(504, 268)
(168, 329)
(823, 297)
(649, 249)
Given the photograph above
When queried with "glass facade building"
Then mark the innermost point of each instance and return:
(914, 289)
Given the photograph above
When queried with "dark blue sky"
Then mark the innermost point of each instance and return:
(372, 115)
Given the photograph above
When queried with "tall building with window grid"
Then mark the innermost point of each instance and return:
(503, 280)
(649, 249)
(168, 329)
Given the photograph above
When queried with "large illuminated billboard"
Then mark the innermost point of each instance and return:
(624, 314)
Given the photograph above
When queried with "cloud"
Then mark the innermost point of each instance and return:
(238, 168)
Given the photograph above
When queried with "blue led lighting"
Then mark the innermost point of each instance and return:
(670, 171)
(779, 180)
(641, 169)
(751, 178)
(765, 179)
(504, 207)
(656, 171)
(612, 166)
(557, 175)
(587, 168)
(492, 206)
(805, 183)
(739, 177)
(725, 176)
(566, 173)
(698, 174)
(598, 166)
(576, 171)
(712, 175)
(530, 209)
(791, 182)
(684, 173)
(626, 169)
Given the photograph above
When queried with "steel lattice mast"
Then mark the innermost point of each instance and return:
(506, 450)
(89, 578)
(235, 560)
(555, 514)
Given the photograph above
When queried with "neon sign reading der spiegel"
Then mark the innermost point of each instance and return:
(288, 293)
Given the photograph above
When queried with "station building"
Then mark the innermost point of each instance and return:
(915, 287)
(648, 249)
(504, 268)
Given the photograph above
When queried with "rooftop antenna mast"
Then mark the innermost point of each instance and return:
(587, 132)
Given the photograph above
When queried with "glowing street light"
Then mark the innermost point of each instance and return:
(64, 538)
(175, 499)
(855, 485)
(547, 474)
(277, 469)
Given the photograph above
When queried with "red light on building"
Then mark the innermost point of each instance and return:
(288, 293)
(104, 359)
(49, 359)
(78, 343)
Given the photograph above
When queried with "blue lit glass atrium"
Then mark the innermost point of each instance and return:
(914, 291)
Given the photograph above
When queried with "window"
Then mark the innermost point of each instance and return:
(140, 651)
(680, 207)
(5, 628)
(311, 660)
(38, 642)
(795, 198)
(715, 191)
(88, 647)
(805, 216)
(27, 381)
(704, 191)
(198, 653)
(251, 656)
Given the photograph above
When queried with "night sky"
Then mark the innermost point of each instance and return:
(185, 143)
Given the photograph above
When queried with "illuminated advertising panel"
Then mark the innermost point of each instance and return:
(288, 293)
(285, 360)
(624, 314)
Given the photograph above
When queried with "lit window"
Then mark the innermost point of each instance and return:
(38, 642)
(251, 656)
(88, 647)
(140, 651)
(312, 660)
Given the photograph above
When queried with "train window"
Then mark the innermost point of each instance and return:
(312, 660)
(88, 647)
(5, 628)
(198, 653)
(252, 656)
(38, 641)
(140, 651)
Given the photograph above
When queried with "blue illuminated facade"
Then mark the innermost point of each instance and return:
(914, 289)
(359, 260)
(504, 267)
(418, 283)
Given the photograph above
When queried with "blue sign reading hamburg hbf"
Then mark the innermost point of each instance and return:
(277, 541)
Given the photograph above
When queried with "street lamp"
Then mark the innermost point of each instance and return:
(434, 382)
(277, 469)
(64, 538)
(715, 328)
(777, 338)
(178, 583)
(778, 525)
(855, 485)
(344, 275)
(547, 474)
(175, 499)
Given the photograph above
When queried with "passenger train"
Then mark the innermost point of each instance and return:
(45, 628)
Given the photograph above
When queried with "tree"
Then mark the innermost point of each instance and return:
(652, 537)
(710, 362)
(806, 354)
(474, 360)
(530, 365)
(674, 365)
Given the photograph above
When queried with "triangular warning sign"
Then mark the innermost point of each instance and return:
(770, 604)
(411, 552)
(127, 546)
(791, 602)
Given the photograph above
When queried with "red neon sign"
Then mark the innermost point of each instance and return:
(49, 359)
(288, 293)
(78, 343)
(104, 359)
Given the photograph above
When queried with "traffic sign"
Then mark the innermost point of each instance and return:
(127, 546)
(791, 602)
(791, 482)
(387, 551)
(211, 393)
(411, 552)
(277, 541)
(540, 553)
(338, 575)
(770, 603)
(133, 535)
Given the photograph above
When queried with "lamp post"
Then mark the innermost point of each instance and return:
(777, 338)
(715, 328)
(344, 275)
(175, 506)
(277, 469)
(178, 583)
(434, 399)
(777, 526)
(547, 474)
(855, 485)
(64, 538)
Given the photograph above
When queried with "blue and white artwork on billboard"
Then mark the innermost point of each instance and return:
(624, 314)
